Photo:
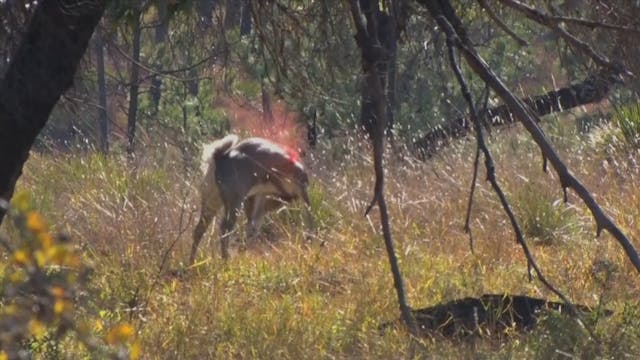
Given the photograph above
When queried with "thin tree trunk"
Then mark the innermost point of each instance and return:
(133, 88)
(102, 94)
(41, 70)
(184, 141)
(374, 118)
(245, 18)
(232, 12)
(267, 113)
(162, 30)
(204, 8)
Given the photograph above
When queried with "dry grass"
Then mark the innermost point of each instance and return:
(290, 299)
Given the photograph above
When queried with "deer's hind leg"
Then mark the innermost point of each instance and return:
(207, 213)
(231, 213)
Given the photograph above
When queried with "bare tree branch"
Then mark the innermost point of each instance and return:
(530, 120)
(552, 19)
(501, 24)
(452, 40)
(555, 23)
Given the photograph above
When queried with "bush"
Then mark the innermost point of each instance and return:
(41, 285)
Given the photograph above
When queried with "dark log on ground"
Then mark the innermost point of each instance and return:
(592, 90)
(467, 317)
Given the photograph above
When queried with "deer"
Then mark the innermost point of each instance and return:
(253, 173)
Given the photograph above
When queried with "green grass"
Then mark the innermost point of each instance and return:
(290, 298)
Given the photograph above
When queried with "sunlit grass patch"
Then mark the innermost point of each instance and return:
(545, 220)
(291, 297)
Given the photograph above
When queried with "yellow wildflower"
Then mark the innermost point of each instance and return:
(97, 325)
(10, 309)
(57, 291)
(34, 222)
(21, 201)
(17, 276)
(36, 328)
(21, 257)
(41, 258)
(58, 254)
(135, 351)
(60, 306)
(120, 334)
(45, 239)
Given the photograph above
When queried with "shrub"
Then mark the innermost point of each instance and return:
(40, 288)
(543, 219)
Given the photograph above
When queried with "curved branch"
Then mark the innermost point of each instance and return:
(555, 23)
(530, 120)
(491, 171)
(501, 24)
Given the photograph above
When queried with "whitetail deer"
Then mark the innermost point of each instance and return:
(253, 172)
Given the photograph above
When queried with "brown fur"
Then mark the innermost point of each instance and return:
(253, 172)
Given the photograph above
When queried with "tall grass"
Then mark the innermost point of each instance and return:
(286, 297)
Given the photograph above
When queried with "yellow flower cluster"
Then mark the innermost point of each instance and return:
(55, 265)
(43, 250)
(122, 334)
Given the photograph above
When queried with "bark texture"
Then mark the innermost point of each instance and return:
(40, 72)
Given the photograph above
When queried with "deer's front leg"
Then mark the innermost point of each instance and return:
(207, 213)
(254, 210)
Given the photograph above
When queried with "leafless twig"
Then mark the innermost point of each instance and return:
(555, 23)
(491, 173)
(501, 24)
(530, 122)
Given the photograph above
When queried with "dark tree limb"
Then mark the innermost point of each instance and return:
(591, 90)
(443, 9)
(452, 40)
(41, 70)
(555, 23)
(103, 116)
(504, 27)
(553, 20)
(367, 38)
(132, 116)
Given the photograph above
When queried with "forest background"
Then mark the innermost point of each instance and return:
(115, 167)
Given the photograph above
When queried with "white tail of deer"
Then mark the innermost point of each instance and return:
(255, 172)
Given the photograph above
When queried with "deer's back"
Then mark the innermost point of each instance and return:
(254, 161)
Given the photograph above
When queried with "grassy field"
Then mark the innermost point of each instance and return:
(287, 298)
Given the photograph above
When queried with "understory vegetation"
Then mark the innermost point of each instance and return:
(286, 297)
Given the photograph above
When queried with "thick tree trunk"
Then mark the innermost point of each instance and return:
(593, 89)
(40, 72)
(103, 117)
(133, 89)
